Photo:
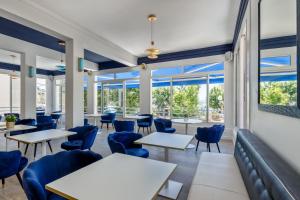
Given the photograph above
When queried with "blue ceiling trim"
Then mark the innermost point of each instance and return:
(194, 53)
(13, 67)
(19, 31)
(279, 42)
(110, 65)
(238, 25)
(94, 57)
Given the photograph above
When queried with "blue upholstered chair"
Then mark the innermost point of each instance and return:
(145, 123)
(86, 122)
(11, 163)
(108, 118)
(124, 143)
(44, 122)
(56, 116)
(28, 122)
(84, 139)
(51, 168)
(210, 135)
(121, 126)
(164, 125)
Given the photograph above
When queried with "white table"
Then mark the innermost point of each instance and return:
(15, 128)
(186, 122)
(167, 141)
(41, 137)
(94, 116)
(115, 177)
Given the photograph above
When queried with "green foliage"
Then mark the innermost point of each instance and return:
(85, 99)
(10, 118)
(132, 100)
(161, 97)
(216, 98)
(278, 93)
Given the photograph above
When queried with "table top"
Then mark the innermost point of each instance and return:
(168, 140)
(16, 128)
(187, 121)
(93, 115)
(117, 176)
(41, 136)
(136, 117)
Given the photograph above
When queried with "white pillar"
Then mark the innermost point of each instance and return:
(28, 87)
(228, 98)
(145, 91)
(74, 85)
(91, 95)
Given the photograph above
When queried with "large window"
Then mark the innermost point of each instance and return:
(113, 97)
(10, 93)
(41, 93)
(85, 85)
(195, 91)
(60, 95)
(132, 97)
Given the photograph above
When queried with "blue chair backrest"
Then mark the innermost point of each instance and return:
(9, 163)
(85, 133)
(121, 126)
(112, 116)
(162, 124)
(210, 134)
(149, 118)
(44, 119)
(53, 167)
(45, 123)
(55, 115)
(28, 122)
(119, 142)
(85, 122)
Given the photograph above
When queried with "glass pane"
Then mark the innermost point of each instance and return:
(128, 75)
(167, 71)
(191, 69)
(99, 100)
(63, 97)
(85, 85)
(105, 77)
(132, 97)
(216, 98)
(5, 94)
(58, 98)
(16, 95)
(41, 94)
(113, 98)
(189, 98)
(161, 97)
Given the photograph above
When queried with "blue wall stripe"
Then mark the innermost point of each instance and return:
(110, 65)
(279, 42)
(241, 14)
(13, 67)
(194, 53)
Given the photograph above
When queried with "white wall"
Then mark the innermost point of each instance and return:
(278, 131)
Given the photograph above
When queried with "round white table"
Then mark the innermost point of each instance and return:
(94, 116)
(186, 122)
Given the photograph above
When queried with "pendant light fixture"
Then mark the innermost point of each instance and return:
(152, 52)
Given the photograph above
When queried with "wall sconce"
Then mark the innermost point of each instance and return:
(31, 71)
(80, 64)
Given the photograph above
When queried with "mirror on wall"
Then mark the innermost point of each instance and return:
(278, 57)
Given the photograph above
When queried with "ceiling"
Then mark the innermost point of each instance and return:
(181, 24)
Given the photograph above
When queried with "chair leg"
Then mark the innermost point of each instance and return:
(218, 147)
(138, 129)
(209, 147)
(50, 147)
(107, 125)
(197, 145)
(26, 148)
(101, 125)
(20, 179)
(148, 130)
(18, 145)
(143, 129)
(3, 182)
(35, 147)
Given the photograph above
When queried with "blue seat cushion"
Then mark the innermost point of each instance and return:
(138, 152)
(170, 130)
(143, 124)
(72, 145)
(55, 197)
(23, 163)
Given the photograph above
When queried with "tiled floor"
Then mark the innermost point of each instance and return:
(186, 160)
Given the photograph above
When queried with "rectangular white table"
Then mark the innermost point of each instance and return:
(167, 141)
(41, 137)
(115, 177)
(15, 128)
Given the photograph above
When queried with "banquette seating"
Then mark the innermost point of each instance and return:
(254, 172)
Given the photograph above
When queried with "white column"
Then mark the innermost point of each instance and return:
(74, 85)
(145, 91)
(49, 94)
(91, 95)
(228, 98)
(28, 87)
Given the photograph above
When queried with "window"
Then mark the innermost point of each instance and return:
(194, 91)
(60, 95)
(113, 97)
(41, 94)
(85, 85)
(128, 75)
(132, 93)
(99, 97)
